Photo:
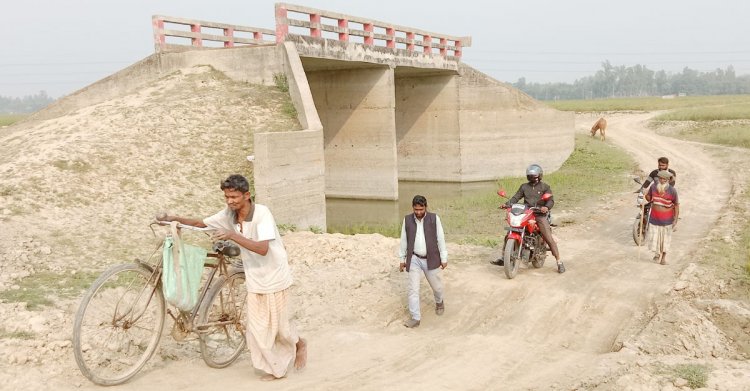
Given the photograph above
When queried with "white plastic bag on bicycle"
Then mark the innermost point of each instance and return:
(183, 267)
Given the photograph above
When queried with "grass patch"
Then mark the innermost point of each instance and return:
(732, 111)
(734, 250)
(716, 132)
(391, 230)
(76, 165)
(36, 289)
(281, 82)
(10, 119)
(27, 335)
(7, 190)
(288, 109)
(594, 169)
(285, 228)
(733, 103)
(696, 375)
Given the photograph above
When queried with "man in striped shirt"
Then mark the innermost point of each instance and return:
(665, 211)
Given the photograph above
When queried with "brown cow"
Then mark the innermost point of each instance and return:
(601, 126)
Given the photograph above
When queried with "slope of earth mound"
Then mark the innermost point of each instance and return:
(72, 188)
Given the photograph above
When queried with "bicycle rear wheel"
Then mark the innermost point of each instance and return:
(118, 324)
(220, 321)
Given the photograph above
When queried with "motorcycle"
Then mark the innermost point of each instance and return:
(640, 225)
(524, 242)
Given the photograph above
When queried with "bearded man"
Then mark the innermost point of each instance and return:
(665, 211)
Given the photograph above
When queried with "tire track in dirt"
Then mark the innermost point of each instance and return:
(540, 330)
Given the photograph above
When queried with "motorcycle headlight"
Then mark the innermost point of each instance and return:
(515, 220)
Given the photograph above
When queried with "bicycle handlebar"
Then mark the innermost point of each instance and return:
(183, 226)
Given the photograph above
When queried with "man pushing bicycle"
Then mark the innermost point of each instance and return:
(272, 339)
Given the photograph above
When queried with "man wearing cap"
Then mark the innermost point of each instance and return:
(665, 211)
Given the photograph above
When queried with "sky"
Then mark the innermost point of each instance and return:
(61, 46)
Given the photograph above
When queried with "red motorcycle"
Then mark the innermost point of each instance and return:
(640, 225)
(524, 241)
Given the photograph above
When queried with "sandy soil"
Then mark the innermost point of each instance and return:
(614, 321)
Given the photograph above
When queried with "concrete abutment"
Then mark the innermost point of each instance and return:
(366, 124)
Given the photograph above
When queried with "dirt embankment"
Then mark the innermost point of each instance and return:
(613, 321)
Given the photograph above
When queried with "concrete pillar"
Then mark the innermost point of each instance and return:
(289, 177)
(356, 108)
(427, 128)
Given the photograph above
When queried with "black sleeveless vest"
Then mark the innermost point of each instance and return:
(430, 236)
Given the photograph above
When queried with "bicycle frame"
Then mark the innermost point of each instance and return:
(133, 294)
(185, 319)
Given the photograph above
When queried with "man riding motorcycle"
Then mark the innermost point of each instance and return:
(663, 164)
(532, 192)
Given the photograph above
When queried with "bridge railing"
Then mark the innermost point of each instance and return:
(371, 33)
(200, 32)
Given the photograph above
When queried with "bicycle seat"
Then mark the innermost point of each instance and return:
(227, 248)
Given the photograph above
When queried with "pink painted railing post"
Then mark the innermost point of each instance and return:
(391, 41)
(443, 50)
(457, 52)
(315, 25)
(410, 41)
(282, 23)
(229, 33)
(258, 35)
(159, 39)
(344, 36)
(427, 44)
(196, 28)
(369, 40)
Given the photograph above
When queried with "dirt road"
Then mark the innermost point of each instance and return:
(538, 331)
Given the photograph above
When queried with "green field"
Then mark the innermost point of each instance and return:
(9, 119)
(477, 220)
(723, 120)
(593, 169)
(738, 106)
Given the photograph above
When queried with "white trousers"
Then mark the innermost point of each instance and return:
(416, 269)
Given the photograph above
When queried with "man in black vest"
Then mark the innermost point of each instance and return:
(422, 251)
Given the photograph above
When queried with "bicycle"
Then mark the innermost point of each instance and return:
(120, 320)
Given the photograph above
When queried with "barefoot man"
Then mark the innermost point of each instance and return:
(271, 337)
(665, 211)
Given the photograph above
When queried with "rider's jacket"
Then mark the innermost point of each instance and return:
(531, 194)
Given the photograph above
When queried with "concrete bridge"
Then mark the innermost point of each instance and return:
(379, 103)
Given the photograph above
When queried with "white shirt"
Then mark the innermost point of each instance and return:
(420, 245)
(264, 274)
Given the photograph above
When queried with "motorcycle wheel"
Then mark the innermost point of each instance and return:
(639, 233)
(511, 258)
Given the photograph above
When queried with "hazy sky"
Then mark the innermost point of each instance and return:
(60, 46)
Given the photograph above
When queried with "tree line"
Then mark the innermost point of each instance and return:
(25, 105)
(609, 82)
(636, 81)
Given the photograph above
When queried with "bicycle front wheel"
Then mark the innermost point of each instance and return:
(222, 333)
(118, 324)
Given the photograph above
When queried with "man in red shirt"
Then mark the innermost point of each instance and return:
(665, 210)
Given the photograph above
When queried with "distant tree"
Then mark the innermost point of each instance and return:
(26, 104)
(638, 80)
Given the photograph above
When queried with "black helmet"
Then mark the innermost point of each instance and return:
(534, 170)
